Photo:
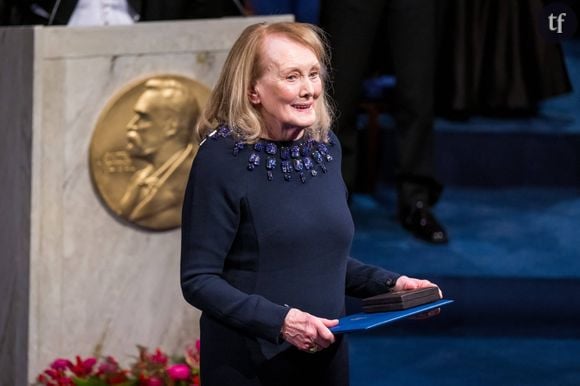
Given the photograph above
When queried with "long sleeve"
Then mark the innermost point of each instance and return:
(364, 280)
(210, 222)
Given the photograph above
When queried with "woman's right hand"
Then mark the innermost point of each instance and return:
(307, 332)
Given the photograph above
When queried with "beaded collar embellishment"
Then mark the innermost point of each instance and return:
(305, 157)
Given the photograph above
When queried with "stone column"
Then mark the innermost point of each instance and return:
(71, 275)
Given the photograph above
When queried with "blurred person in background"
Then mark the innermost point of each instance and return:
(353, 27)
(111, 12)
(305, 11)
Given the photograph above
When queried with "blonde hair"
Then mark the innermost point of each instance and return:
(229, 102)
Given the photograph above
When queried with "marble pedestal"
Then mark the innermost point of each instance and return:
(71, 275)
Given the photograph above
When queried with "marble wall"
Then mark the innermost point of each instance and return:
(77, 277)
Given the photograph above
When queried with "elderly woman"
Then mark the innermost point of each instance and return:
(266, 229)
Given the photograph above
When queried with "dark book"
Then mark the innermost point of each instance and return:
(400, 300)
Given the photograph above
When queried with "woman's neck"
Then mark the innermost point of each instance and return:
(284, 134)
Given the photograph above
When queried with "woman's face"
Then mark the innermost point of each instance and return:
(288, 89)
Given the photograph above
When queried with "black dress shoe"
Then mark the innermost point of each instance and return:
(422, 224)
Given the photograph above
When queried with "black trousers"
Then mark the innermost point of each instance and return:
(352, 26)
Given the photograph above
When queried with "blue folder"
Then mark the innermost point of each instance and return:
(365, 321)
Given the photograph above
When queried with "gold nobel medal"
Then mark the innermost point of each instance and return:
(142, 148)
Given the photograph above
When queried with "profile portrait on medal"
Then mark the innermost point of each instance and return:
(160, 133)
(152, 151)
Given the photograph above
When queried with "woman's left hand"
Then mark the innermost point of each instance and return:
(409, 283)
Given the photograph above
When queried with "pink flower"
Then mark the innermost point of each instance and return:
(192, 354)
(83, 368)
(150, 369)
(52, 377)
(159, 357)
(109, 365)
(197, 345)
(60, 364)
(89, 363)
(179, 372)
(154, 381)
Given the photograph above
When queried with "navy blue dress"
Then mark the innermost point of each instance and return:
(266, 228)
